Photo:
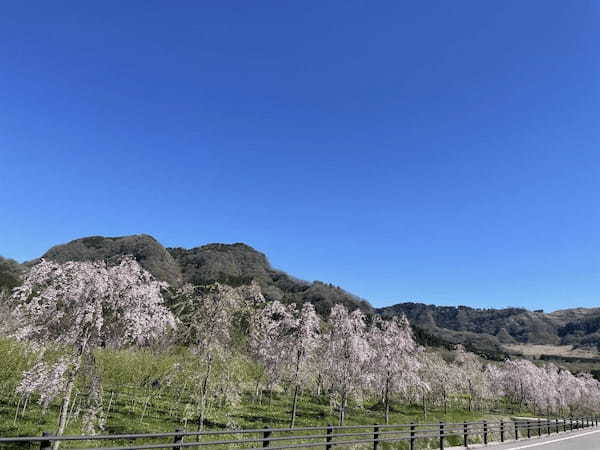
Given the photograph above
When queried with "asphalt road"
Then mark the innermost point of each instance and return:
(580, 440)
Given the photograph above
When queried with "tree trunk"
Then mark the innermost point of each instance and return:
(64, 411)
(17, 411)
(470, 396)
(445, 403)
(387, 401)
(256, 389)
(296, 376)
(107, 412)
(294, 406)
(342, 408)
(203, 397)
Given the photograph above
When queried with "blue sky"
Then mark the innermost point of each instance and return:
(445, 152)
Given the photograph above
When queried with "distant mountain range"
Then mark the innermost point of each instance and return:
(486, 330)
(497, 330)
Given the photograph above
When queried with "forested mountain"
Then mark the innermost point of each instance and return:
(485, 330)
(492, 328)
(10, 273)
(239, 263)
(232, 264)
(151, 255)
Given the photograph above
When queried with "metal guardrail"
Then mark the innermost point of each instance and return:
(327, 437)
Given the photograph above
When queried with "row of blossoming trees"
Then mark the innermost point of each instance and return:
(349, 357)
(354, 357)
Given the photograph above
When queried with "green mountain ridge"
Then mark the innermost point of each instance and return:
(232, 264)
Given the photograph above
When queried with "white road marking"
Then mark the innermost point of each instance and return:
(537, 444)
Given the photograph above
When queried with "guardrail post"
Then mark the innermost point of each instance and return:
(528, 430)
(556, 426)
(178, 439)
(466, 434)
(485, 432)
(571, 423)
(548, 424)
(45, 445)
(375, 437)
(412, 436)
(539, 427)
(564, 421)
(501, 430)
(441, 435)
(328, 437)
(266, 437)
(516, 430)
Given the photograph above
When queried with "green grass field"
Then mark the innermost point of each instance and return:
(133, 402)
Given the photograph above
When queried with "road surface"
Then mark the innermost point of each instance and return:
(579, 440)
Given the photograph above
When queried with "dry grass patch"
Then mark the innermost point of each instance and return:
(536, 350)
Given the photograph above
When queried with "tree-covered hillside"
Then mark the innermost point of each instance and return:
(232, 264)
(151, 255)
(10, 273)
(490, 329)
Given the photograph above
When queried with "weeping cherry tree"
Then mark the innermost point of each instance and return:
(85, 305)
(348, 354)
(285, 340)
(394, 365)
(209, 316)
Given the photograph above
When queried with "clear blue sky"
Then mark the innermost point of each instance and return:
(437, 151)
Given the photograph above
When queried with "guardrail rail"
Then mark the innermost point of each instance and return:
(327, 437)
